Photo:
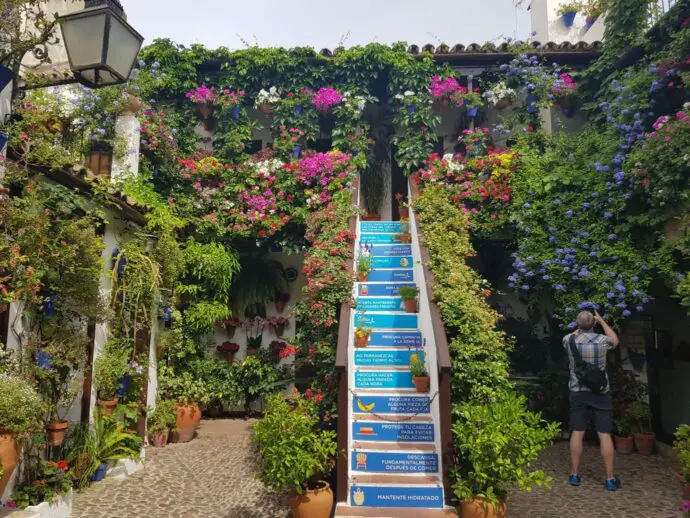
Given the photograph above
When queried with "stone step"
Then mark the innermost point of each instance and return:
(388, 320)
(382, 227)
(343, 510)
(389, 289)
(378, 261)
(379, 304)
(407, 339)
(384, 404)
(410, 462)
(375, 430)
(391, 275)
(394, 250)
(386, 358)
(383, 379)
(417, 496)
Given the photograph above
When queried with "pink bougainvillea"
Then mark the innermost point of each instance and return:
(326, 98)
(202, 95)
(564, 85)
(445, 87)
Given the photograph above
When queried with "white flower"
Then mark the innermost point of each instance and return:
(408, 93)
(399, 97)
(273, 90)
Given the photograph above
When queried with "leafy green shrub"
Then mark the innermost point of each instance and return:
(183, 387)
(164, 418)
(294, 452)
(496, 444)
(418, 367)
(52, 480)
(109, 368)
(623, 424)
(642, 416)
(408, 292)
(21, 408)
(682, 445)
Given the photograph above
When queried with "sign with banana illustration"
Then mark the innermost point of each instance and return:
(392, 404)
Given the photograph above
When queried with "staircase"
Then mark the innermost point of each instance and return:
(394, 445)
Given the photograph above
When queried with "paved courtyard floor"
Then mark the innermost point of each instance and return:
(214, 476)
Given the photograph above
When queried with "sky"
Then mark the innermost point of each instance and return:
(321, 24)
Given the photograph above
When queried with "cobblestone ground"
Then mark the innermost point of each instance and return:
(649, 489)
(211, 476)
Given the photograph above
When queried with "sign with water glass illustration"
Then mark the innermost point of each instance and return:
(430, 497)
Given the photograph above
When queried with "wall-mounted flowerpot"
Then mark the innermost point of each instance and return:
(123, 385)
(9, 454)
(281, 301)
(160, 440)
(313, 503)
(405, 238)
(132, 106)
(404, 212)
(479, 507)
(503, 103)
(645, 442)
(118, 260)
(589, 21)
(569, 19)
(297, 150)
(624, 445)
(252, 351)
(55, 432)
(43, 359)
(266, 109)
(205, 110)
(299, 110)
(107, 407)
(188, 418)
(100, 159)
(235, 112)
(371, 217)
(421, 383)
(472, 112)
(362, 277)
(532, 103)
(411, 109)
(361, 340)
(48, 306)
(568, 105)
(100, 472)
(410, 306)
(230, 331)
(636, 359)
(279, 330)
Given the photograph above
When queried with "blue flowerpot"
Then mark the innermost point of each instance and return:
(43, 359)
(235, 112)
(472, 112)
(123, 385)
(99, 474)
(531, 103)
(167, 314)
(569, 19)
(589, 21)
(48, 306)
(121, 265)
(411, 109)
(4, 138)
(299, 110)
(297, 151)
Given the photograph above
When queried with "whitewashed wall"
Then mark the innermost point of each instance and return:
(548, 26)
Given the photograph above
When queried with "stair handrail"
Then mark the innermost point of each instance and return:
(442, 354)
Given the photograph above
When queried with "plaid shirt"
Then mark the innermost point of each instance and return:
(593, 348)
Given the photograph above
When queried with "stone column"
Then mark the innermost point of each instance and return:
(6, 89)
(127, 142)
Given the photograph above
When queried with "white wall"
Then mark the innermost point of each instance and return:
(548, 26)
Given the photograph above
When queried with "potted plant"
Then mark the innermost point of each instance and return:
(188, 391)
(205, 99)
(254, 328)
(420, 376)
(277, 346)
(48, 481)
(563, 90)
(499, 95)
(362, 335)
(623, 438)
(279, 325)
(280, 301)
(497, 445)
(404, 237)
(231, 325)
(644, 437)
(296, 454)
(403, 209)
(266, 99)
(409, 296)
(21, 408)
(593, 10)
(108, 369)
(568, 10)
(161, 421)
(228, 349)
(682, 446)
(363, 268)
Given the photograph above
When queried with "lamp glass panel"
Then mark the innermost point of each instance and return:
(123, 47)
(84, 39)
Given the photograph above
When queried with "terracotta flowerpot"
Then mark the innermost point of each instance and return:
(410, 305)
(405, 238)
(624, 445)
(362, 277)
(56, 432)
(313, 503)
(685, 486)
(108, 406)
(479, 507)
(371, 217)
(205, 110)
(266, 109)
(644, 442)
(251, 351)
(280, 306)
(279, 330)
(404, 212)
(188, 417)
(230, 331)
(361, 341)
(133, 106)
(160, 440)
(9, 454)
(502, 104)
(422, 383)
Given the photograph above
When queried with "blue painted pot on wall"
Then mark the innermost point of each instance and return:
(589, 21)
(121, 264)
(411, 109)
(235, 112)
(43, 360)
(569, 19)
(472, 112)
(48, 306)
(99, 474)
(299, 109)
(297, 151)
(531, 103)
(123, 384)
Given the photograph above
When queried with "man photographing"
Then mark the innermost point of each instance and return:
(589, 388)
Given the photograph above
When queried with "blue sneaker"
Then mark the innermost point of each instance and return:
(574, 480)
(613, 484)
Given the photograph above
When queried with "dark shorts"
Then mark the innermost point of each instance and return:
(600, 404)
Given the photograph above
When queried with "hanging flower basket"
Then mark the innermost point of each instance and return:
(279, 324)
(266, 109)
(281, 300)
(472, 111)
(55, 432)
(589, 21)
(277, 346)
(228, 349)
(231, 324)
(235, 112)
(569, 19)
(503, 103)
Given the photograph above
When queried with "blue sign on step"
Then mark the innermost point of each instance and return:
(391, 404)
(378, 239)
(391, 276)
(391, 432)
(401, 321)
(391, 250)
(382, 290)
(398, 358)
(379, 304)
(383, 379)
(404, 261)
(382, 462)
(429, 497)
(396, 339)
(384, 227)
